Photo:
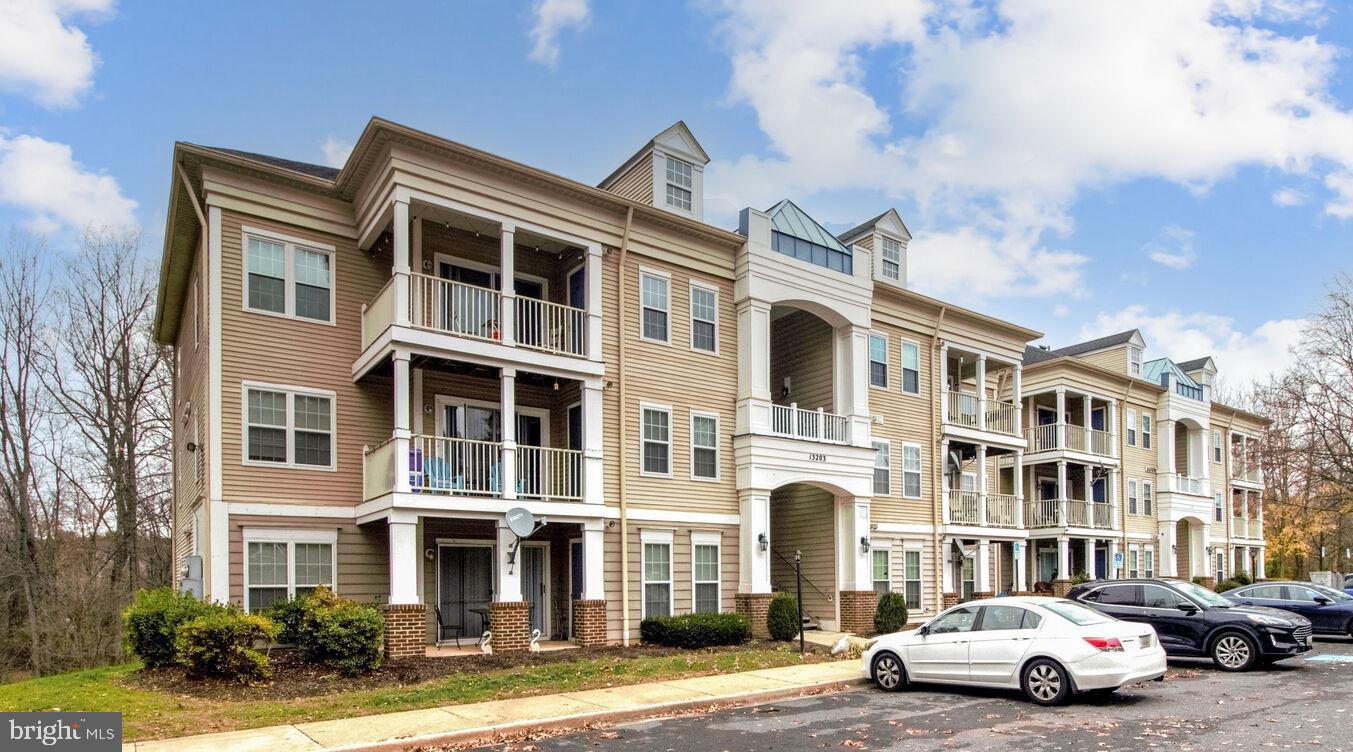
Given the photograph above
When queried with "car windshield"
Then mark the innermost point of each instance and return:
(1331, 593)
(1076, 613)
(1202, 595)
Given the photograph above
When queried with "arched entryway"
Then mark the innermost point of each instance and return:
(803, 519)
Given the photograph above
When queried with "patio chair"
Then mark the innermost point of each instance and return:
(445, 626)
(436, 474)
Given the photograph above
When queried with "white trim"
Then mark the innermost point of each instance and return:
(869, 360)
(902, 367)
(290, 244)
(268, 509)
(218, 584)
(905, 528)
(657, 538)
(293, 534)
(718, 452)
(715, 539)
(694, 285)
(920, 472)
(1131, 425)
(495, 272)
(666, 277)
(441, 543)
(290, 537)
(291, 393)
(646, 406)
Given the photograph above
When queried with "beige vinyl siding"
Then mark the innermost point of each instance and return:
(897, 573)
(907, 418)
(1115, 359)
(362, 555)
(453, 244)
(866, 241)
(801, 348)
(681, 571)
(803, 518)
(191, 415)
(637, 182)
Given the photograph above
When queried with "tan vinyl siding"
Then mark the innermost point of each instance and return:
(907, 418)
(803, 518)
(191, 413)
(897, 546)
(681, 570)
(1115, 359)
(637, 182)
(801, 349)
(362, 555)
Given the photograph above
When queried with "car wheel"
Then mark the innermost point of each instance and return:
(1234, 651)
(889, 673)
(1046, 683)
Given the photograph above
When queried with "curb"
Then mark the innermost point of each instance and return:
(484, 734)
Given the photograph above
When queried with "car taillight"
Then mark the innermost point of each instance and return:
(1106, 644)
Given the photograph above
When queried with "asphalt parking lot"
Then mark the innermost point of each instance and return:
(1300, 704)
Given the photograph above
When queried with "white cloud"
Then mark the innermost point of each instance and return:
(1287, 197)
(336, 151)
(42, 54)
(1242, 357)
(970, 263)
(43, 178)
(1172, 248)
(552, 17)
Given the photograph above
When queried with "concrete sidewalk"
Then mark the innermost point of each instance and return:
(461, 723)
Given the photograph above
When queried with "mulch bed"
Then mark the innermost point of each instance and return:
(293, 678)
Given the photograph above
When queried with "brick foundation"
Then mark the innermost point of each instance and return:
(1022, 593)
(857, 611)
(756, 607)
(983, 594)
(1061, 587)
(589, 623)
(949, 600)
(406, 630)
(510, 623)
(1209, 582)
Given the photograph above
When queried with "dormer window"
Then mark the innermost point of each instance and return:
(1135, 361)
(892, 259)
(679, 184)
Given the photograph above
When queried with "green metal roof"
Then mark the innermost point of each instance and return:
(788, 218)
(1152, 370)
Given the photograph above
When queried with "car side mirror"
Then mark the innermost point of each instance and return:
(1322, 600)
(1187, 607)
(923, 631)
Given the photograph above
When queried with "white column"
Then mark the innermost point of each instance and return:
(509, 574)
(854, 572)
(402, 254)
(1017, 397)
(1166, 562)
(1090, 558)
(944, 480)
(1061, 418)
(1114, 572)
(1111, 495)
(592, 480)
(1018, 560)
(944, 382)
(1086, 406)
(507, 265)
(947, 570)
(1262, 574)
(1063, 558)
(981, 391)
(1062, 493)
(1112, 425)
(982, 484)
(594, 561)
(404, 562)
(754, 387)
(753, 561)
(983, 567)
(592, 294)
(508, 407)
(400, 361)
(1019, 490)
(851, 380)
(1165, 451)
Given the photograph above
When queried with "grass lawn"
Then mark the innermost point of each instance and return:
(151, 714)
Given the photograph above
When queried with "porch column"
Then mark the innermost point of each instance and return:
(1018, 477)
(509, 574)
(754, 387)
(1016, 397)
(1090, 559)
(594, 562)
(944, 382)
(1062, 494)
(509, 613)
(592, 294)
(507, 482)
(1063, 558)
(852, 524)
(402, 437)
(1020, 551)
(1061, 419)
(982, 484)
(944, 480)
(404, 562)
(753, 557)
(1167, 563)
(592, 469)
(981, 391)
(1165, 451)
(1262, 574)
(947, 547)
(1111, 496)
(982, 582)
(507, 264)
(402, 253)
(851, 379)
(1086, 406)
(1112, 425)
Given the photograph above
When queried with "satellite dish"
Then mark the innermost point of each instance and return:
(521, 522)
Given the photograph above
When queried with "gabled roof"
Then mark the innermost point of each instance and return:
(304, 168)
(676, 138)
(1080, 348)
(1152, 370)
(786, 217)
(890, 220)
(1197, 364)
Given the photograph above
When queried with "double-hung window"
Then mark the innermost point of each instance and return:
(704, 446)
(881, 570)
(679, 184)
(655, 306)
(1132, 496)
(1133, 572)
(911, 368)
(878, 360)
(883, 482)
(288, 277)
(657, 440)
(1221, 566)
(1146, 498)
(911, 578)
(288, 427)
(892, 259)
(657, 569)
(1149, 557)
(911, 471)
(1135, 361)
(705, 572)
(1218, 508)
(704, 318)
(1131, 427)
(285, 564)
(1146, 430)
(1216, 446)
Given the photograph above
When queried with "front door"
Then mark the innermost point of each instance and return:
(1101, 562)
(1047, 564)
(465, 587)
(534, 578)
(942, 653)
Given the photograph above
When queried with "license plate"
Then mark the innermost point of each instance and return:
(1148, 640)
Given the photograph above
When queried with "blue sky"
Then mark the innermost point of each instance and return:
(1185, 167)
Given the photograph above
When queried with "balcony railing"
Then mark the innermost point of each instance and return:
(1047, 438)
(1077, 513)
(1180, 483)
(1042, 438)
(1001, 510)
(1101, 516)
(542, 325)
(812, 425)
(1243, 473)
(963, 507)
(465, 467)
(1003, 417)
(962, 408)
(1256, 528)
(965, 409)
(454, 307)
(1068, 513)
(1041, 513)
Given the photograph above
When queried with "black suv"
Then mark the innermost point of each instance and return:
(1191, 620)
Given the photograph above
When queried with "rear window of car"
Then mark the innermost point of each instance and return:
(1118, 595)
(1076, 613)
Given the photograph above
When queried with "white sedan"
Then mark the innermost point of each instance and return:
(1048, 647)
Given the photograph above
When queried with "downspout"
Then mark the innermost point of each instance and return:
(624, 434)
(936, 472)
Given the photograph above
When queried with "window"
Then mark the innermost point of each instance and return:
(1221, 566)
(1267, 592)
(1133, 571)
(1146, 498)
(285, 564)
(1135, 361)
(911, 368)
(878, 360)
(657, 574)
(1216, 447)
(1217, 507)
(705, 569)
(1132, 496)
(1131, 427)
(288, 277)
(1155, 596)
(831, 258)
(882, 575)
(911, 578)
(1149, 567)
(657, 440)
(1118, 595)
(1006, 618)
(968, 578)
(704, 319)
(704, 446)
(958, 620)
(892, 259)
(679, 184)
(286, 426)
(883, 484)
(1146, 430)
(911, 471)
(655, 305)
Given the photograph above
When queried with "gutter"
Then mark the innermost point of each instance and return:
(936, 512)
(624, 433)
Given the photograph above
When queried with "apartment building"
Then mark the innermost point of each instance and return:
(374, 364)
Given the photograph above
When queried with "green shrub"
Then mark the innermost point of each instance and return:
(1228, 584)
(891, 614)
(150, 623)
(696, 630)
(339, 633)
(1080, 577)
(782, 619)
(221, 644)
(287, 615)
(1200, 580)
(1242, 579)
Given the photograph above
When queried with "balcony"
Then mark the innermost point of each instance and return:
(1244, 474)
(792, 422)
(1181, 483)
(1055, 437)
(964, 409)
(464, 467)
(1080, 513)
(966, 508)
(1001, 510)
(1246, 528)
